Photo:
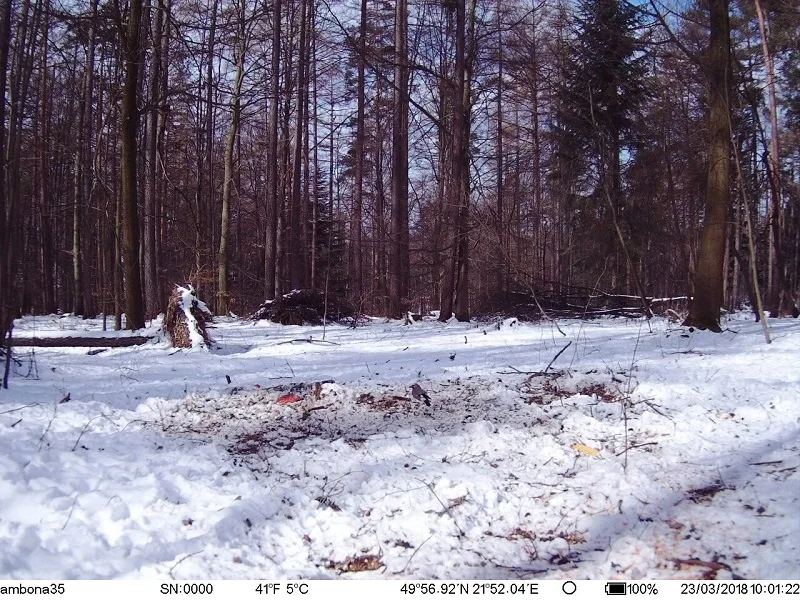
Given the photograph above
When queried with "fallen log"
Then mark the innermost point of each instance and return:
(81, 342)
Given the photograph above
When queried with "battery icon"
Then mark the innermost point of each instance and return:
(616, 588)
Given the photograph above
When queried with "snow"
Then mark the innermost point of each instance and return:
(146, 462)
(189, 300)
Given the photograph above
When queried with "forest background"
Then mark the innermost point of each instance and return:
(408, 155)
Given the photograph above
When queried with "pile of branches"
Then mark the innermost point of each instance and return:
(574, 302)
(187, 319)
(304, 307)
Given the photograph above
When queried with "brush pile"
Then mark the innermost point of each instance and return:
(304, 307)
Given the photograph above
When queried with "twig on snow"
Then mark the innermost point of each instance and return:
(5, 412)
(413, 554)
(309, 341)
(69, 516)
(180, 561)
(47, 429)
(515, 371)
(560, 352)
(85, 427)
(632, 446)
(444, 506)
(653, 406)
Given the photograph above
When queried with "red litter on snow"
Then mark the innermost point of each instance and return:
(289, 398)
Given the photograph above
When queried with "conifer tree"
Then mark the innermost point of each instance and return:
(603, 90)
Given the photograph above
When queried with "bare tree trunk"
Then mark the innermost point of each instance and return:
(45, 218)
(733, 296)
(499, 263)
(223, 306)
(456, 166)
(315, 162)
(296, 249)
(160, 205)
(118, 282)
(87, 182)
(440, 241)
(705, 309)
(151, 155)
(132, 52)
(399, 272)
(6, 280)
(537, 149)
(270, 252)
(83, 167)
(462, 311)
(780, 300)
(77, 219)
(285, 179)
(379, 290)
(205, 175)
(305, 209)
(12, 217)
(356, 258)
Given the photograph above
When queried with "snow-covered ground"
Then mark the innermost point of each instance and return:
(646, 451)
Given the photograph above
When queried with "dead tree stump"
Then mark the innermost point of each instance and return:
(186, 319)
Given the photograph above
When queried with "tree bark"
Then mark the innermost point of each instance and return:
(704, 312)
(462, 309)
(780, 300)
(79, 162)
(45, 218)
(297, 251)
(132, 52)
(271, 241)
(151, 155)
(315, 216)
(456, 167)
(399, 277)
(499, 229)
(6, 281)
(205, 159)
(356, 258)
(223, 306)
(77, 212)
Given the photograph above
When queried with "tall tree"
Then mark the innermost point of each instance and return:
(271, 241)
(464, 181)
(7, 301)
(132, 56)
(297, 252)
(455, 289)
(45, 217)
(778, 294)
(603, 91)
(240, 47)
(82, 173)
(152, 300)
(399, 276)
(708, 280)
(499, 226)
(356, 249)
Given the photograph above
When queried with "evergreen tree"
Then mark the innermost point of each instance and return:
(603, 89)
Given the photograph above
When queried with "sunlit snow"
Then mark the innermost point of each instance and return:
(645, 451)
